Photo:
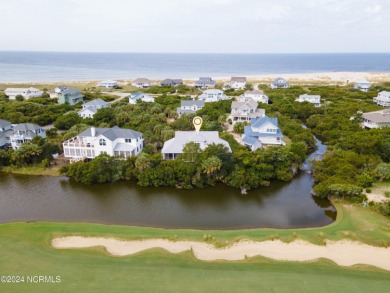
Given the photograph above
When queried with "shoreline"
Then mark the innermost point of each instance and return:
(343, 253)
(322, 77)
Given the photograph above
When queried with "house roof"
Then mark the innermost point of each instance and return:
(124, 147)
(176, 144)
(108, 81)
(249, 102)
(280, 80)
(248, 131)
(91, 109)
(259, 122)
(20, 89)
(212, 91)
(69, 90)
(96, 103)
(385, 93)
(185, 111)
(26, 127)
(363, 82)
(112, 133)
(4, 123)
(306, 96)
(255, 92)
(142, 80)
(382, 116)
(172, 81)
(250, 140)
(205, 79)
(238, 78)
(186, 103)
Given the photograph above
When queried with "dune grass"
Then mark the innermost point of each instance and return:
(32, 170)
(25, 250)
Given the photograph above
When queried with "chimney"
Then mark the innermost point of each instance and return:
(93, 131)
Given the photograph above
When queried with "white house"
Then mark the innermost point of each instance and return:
(90, 108)
(24, 132)
(364, 85)
(279, 83)
(212, 95)
(257, 95)
(108, 84)
(141, 83)
(245, 110)
(174, 147)
(314, 99)
(265, 130)
(383, 99)
(377, 119)
(204, 82)
(27, 93)
(92, 142)
(237, 83)
(133, 98)
(190, 107)
(67, 95)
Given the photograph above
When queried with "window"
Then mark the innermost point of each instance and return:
(128, 140)
(102, 141)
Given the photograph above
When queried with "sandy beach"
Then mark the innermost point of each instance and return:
(330, 78)
(344, 253)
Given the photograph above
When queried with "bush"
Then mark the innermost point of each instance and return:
(368, 190)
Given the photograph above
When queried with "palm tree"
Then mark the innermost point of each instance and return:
(211, 165)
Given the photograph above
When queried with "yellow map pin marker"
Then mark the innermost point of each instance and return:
(197, 121)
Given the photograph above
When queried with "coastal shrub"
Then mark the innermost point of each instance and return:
(344, 190)
(382, 171)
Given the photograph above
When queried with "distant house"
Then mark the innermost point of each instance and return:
(171, 82)
(364, 85)
(204, 82)
(189, 107)
(245, 110)
(67, 95)
(141, 83)
(212, 96)
(108, 84)
(24, 132)
(90, 108)
(27, 93)
(257, 95)
(383, 99)
(279, 83)
(174, 147)
(133, 98)
(265, 130)
(5, 133)
(377, 119)
(314, 99)
(92, 142)
(237, 83)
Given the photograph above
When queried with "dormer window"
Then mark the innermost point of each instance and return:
(128, 140)
(102, 141)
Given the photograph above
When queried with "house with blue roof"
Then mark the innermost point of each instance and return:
(262, 131)
(279, 83)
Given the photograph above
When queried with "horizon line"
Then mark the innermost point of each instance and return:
(200, 53)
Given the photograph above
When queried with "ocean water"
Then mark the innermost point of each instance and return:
(60, 66)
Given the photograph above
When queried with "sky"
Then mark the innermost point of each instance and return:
(196, 26)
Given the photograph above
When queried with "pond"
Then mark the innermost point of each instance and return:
(59, 199)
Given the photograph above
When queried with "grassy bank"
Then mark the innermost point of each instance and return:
(32, 170)
(26, 250)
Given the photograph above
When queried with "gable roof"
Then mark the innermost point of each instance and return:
(186, 103)
(381, 116)
(27, 127)
(176, 144)
(259, 122)
(95, 103)
(238, 78)
(249, 102)
(112, 133)
(142, 80)
(90, 109)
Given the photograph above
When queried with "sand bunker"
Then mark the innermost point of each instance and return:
(344, 253)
